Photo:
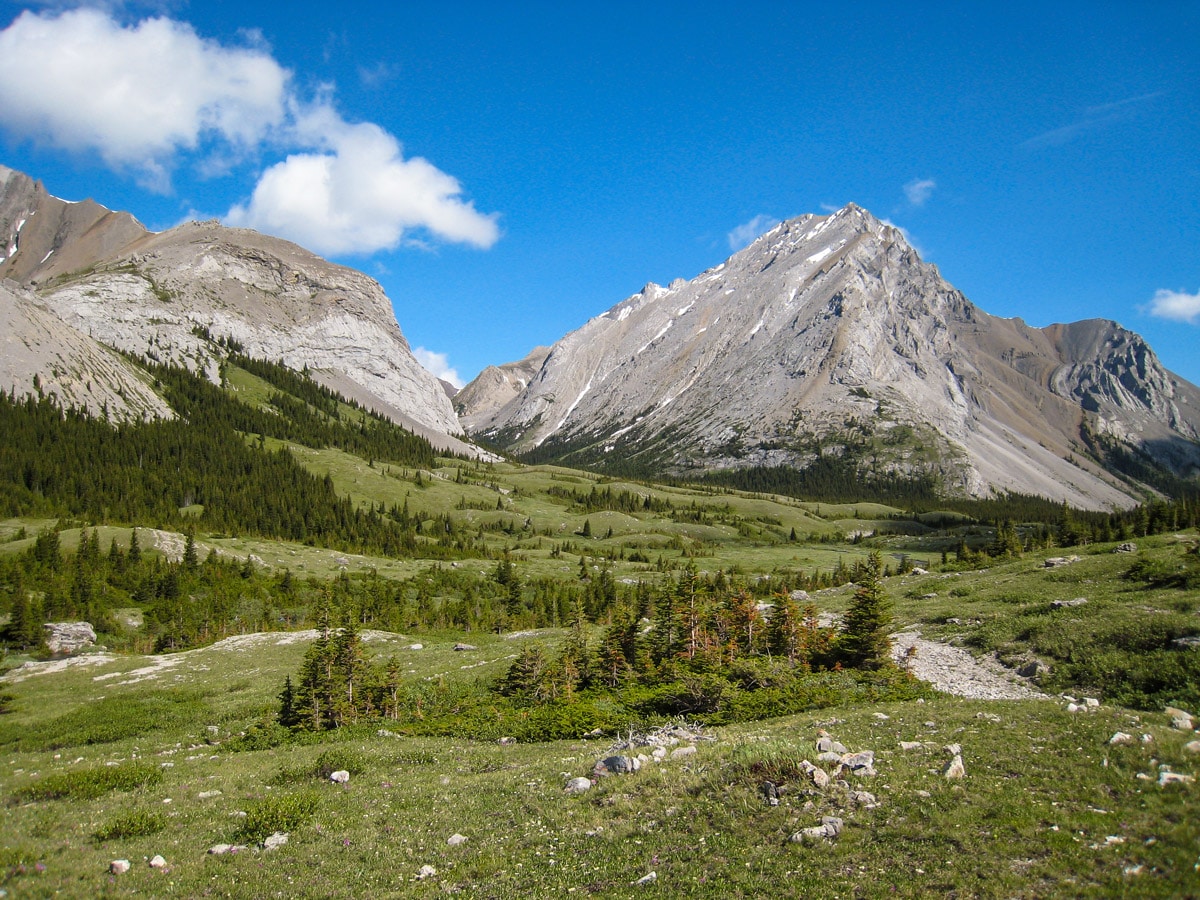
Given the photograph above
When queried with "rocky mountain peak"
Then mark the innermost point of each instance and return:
(830, 334)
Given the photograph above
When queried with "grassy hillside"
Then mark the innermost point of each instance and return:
(125, 753)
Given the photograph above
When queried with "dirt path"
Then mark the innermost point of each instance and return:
(956, 671)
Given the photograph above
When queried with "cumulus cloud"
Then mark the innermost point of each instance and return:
(742, 235)
(146, 96)
(136, 95)
(356, 193)
(1177, 306)
(439, 365)
(919, 190)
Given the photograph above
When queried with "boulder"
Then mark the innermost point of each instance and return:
(954, 770)
(681, 752)
(119, 866)
(818, 776)
(578, 785)
(68, 638)
(1180, 719)
(460, 647)
(616, 765)
(1166, 777)
(860, 763)
(1126, 547)
(826, 744)
(829, 829)
(278, 839)
(341, 776)
(157, 862)
(1121, 737)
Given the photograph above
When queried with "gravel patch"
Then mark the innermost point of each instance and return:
(957, 672)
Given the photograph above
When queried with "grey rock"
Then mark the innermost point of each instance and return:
(1192, 746)
(954, 770)
(578, 785)
(616, 765)
(862, 761)
(460, 647)
(426, 871)
(1166, 777)
(68, 638)
(456, 840)
(341, 776)
(648, 878)
(818, 776)
(1121, 737)
(276, 840)
(158, 862)
(1033, 669)
(1126, 547)
(119, 866)
(681, 752)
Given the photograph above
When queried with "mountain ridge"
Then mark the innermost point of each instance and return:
(150, 294)
(830, 331)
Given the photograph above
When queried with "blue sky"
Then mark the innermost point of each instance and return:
(508, 171)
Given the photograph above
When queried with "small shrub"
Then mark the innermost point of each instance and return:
(264, 735)
(88, 784)
(283, 812)
(132, 824)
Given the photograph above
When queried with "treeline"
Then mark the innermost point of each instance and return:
(597, 500)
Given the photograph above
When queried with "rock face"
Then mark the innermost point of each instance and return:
(497, 385)
(168, 296)
(829, 336)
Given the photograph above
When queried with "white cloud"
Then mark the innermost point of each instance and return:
(1176, 305)
(1093, 118)
(356, 193)
(146, 96)
(744, 234)
(919, 190)
(136, 95)
(439, 365)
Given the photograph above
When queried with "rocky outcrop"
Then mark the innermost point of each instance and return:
(829, 334)
(68, 638)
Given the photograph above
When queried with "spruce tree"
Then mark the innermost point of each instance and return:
(864, 642)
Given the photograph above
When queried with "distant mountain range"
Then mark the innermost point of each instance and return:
(826, 341)
(829, 338)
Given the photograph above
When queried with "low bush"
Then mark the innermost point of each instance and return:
(137, 823)
(88, 784)
(281, 812)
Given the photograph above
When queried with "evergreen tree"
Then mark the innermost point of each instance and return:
(288, 714)
(864, 642)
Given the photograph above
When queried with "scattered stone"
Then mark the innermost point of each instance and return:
(923, 794)
(1192, 746)
(911, 745)
(68, 638)
(864, 799)
(829, 756)
(1067, 604)
(1091, 702)
(953, 749)
(578, 785)
(1147, 738)
(1166, 777)
(416, 646)
(505, 741)
(1180, 719)
(157, 862)
(771, 793)
(213, 729)
(341, 776)
(660, 753)
(818, 776)
(1126, 547)
(882, 717)
(681, 752)
(954, 770)
(616, 765)
(826, 744)
(828, 830)
(861, 763)
(1189, 643)
(456, 839)
(917, 570)
(278, 839)
(648, 878)
(460, 647)
(1121, 737)
(1056, 561)
(991, 717)
(222, 849)
(427, 871)
(119, 866)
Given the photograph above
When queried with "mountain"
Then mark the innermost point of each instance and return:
(829, 338)
(497, 385)
(79, 279)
